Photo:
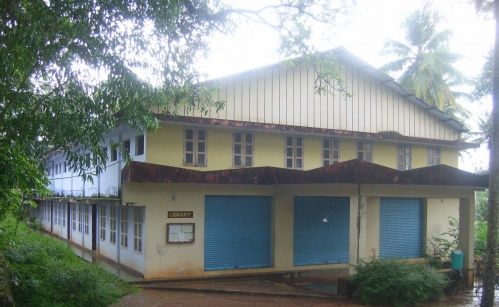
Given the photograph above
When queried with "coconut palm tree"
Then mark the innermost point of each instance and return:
(491, 80)
(426, 61)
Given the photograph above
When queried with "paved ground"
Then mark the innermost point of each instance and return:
(157, 298)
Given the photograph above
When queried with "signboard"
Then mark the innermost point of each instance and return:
(180, 214)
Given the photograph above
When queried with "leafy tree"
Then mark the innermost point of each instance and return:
(426, 63)
(492, 7)
(69, 73)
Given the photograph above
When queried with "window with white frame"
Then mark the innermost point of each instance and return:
(74, 218)
(86, 219)
(138, 221)
(56, 214)
(294, 152)
(330, 151)
(63, 217)
(404, 157)
(433, 156)
(114, 152)
(195, 147)
(112, 224)
(365, 151)
(102, 223)
(139, 145)
(80, 217)
(104, 150)
(243, 149)
(124, 227)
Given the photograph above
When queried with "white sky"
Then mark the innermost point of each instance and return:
(371, 23)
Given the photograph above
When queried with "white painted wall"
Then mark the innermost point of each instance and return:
(68, 183)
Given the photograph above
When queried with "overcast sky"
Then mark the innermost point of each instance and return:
(365, 31)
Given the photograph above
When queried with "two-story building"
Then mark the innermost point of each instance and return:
(282, 179)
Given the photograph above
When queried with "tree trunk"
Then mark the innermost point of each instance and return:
(492, 214)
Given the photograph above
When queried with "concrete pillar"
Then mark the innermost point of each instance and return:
(358, 233)
(466, 236)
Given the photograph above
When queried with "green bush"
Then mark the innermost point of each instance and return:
(396, 283)
(46, 272)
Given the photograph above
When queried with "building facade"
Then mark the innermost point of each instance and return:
(281, 179)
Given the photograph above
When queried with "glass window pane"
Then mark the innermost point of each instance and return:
(189, 134)
(249, 138)
(299, 163)
(289, 141)
(189, 146)
(237, 137)
(237, 149)
(201, 135)
(201, 159)
(299, 152)
(201, 147)
(289, 163)
(188, 158)
(325, 144)
(325, 154)
(237, 160)
(299, 141)
(289, 152)
(248, 161)
(249, 149)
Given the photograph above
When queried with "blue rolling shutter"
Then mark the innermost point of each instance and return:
(237, 232)
(321, 230)
(401, 228)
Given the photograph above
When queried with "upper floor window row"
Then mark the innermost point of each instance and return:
(195, 150)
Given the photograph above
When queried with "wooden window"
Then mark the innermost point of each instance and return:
(433, 156)
(126, 149)
(331, 151)
(80, 217)
(114, 153)
(86, 219)
(102, 223)
(294, 152)
(124, 227)
(404, 157)
(112, 224)
(365, 151)
(195, 147)
(243, 149)
(138, 221)
(139, 145)
(180, 233)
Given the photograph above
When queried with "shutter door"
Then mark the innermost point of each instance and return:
(237, 232)
(401, 228)
(321, 230)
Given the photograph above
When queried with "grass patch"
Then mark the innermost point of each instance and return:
(46, 272)
(396, 283)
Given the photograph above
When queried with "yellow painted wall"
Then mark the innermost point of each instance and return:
(449, 156)
(438, 211)
(372, 228)
(166, 146)
(181, 260)
(419, 156)
(385, 154)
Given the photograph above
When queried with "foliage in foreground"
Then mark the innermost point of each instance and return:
(45, 272)
(396, 283)
(442, 246)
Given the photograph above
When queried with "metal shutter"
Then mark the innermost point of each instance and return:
(237, 232)
(401, 228)
(321, 230)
